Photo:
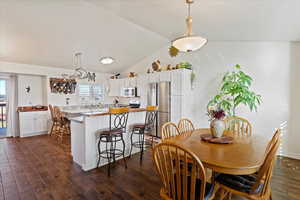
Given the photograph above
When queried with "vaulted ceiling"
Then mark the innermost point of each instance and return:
(50, 32)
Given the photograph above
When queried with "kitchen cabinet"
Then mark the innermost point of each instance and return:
(154, 77)
(176, 108)
(176, 83)
(165, 76)
(114, 87)
(33, 123)
(128, 82)
(142, 85)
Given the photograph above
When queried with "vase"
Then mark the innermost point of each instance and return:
(217, 127)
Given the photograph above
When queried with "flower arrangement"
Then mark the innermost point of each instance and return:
(216, 114)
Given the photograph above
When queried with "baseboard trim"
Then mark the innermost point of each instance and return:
(291, 155)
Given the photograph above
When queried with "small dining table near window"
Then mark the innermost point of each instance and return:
(244, 156)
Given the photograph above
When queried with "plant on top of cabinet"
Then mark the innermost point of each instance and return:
(235, 91)
(184, 65)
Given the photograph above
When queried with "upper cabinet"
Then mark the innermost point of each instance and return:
(165, 76)
(114, 89)
(142, 85)
(180, 82)
(129, 82)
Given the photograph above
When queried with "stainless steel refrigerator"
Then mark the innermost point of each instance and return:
(159, 94)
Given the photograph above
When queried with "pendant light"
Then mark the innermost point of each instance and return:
(189, 42)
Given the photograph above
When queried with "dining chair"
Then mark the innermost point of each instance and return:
(185, 125)
(169, 130)
(53, 120)
(182, 173)
(238, 126)
(62, 124)
(255, 186)
(274, 139)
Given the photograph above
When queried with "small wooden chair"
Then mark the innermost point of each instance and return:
(61, 127)
(185, 125)
(53, 119)
(169, 130)
(238, 126)
(181, 172)
(274, 139)
(256, 186)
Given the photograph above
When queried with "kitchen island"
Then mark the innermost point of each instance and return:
(84, 135)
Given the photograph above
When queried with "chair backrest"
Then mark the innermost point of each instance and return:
(151, 116)
(57, 114)
(185, 125)
(169, 130)
(275, 137)
(265, 172)
(178, 169)
(238, 126)
(118, 118)
(51, 112)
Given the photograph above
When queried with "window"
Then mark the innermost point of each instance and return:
(2, 90)
(90, 93)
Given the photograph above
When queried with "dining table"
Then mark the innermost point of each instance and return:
(241, 157)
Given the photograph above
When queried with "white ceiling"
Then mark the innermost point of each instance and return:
(50, 32)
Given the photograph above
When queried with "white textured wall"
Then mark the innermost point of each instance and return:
(294, 122)
(269, 63)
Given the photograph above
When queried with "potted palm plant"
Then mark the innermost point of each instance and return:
(235, 91)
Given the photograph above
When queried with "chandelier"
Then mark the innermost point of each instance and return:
(80, 72)
(189, 42)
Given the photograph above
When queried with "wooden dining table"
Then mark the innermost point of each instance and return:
(244, 156)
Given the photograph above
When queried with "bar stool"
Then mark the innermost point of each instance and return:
(142, 129)
(117, 126)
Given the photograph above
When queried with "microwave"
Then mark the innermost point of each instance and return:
(129, 92)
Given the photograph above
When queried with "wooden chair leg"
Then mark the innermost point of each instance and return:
(223, 194)
(229, 196)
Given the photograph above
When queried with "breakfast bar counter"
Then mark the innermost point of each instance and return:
(84, 135)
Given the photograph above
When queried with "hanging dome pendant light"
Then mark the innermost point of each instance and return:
(189, 42)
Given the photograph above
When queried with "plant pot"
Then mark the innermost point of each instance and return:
(217, 127)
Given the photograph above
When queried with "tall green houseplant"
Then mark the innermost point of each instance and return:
(235, 91)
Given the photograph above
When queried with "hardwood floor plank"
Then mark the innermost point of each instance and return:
(38, 168)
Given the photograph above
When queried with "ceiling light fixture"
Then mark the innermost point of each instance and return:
(107, 60)
(189, 42)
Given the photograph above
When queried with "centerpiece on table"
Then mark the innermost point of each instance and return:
(217, 124)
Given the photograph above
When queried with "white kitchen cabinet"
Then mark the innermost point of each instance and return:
(131, 82)
(114, 87)
(176, 108)
(165, 76)
(142, 82)
(154, 77)
(33, 123)
(176, 82)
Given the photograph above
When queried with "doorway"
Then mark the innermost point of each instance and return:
(3, 107)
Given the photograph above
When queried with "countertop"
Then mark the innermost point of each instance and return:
(96, 112)
(32, 109)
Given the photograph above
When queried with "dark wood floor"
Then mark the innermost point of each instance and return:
(37, 168)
